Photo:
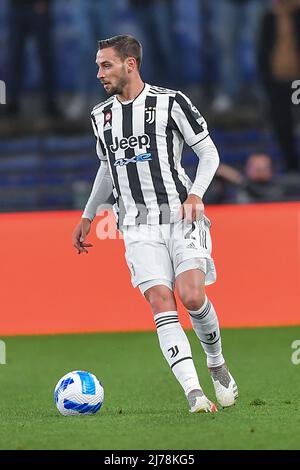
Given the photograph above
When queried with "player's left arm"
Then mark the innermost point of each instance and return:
(193, 128)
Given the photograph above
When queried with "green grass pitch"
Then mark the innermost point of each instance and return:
(144, 406)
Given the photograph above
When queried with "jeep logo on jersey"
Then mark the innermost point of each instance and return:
(143, 157)
(130, 142)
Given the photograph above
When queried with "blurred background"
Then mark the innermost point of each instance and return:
(235, 59)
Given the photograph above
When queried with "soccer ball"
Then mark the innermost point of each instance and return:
(78, 392)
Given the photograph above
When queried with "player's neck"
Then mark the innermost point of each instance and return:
(132, 90)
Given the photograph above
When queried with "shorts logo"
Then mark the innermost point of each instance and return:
(143, 157)
(192, 245)
(150, 114)
(198, 234)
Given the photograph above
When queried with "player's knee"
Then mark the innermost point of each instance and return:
(161, 299)
(192, 298)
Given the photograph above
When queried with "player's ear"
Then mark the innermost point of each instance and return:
(131, 64)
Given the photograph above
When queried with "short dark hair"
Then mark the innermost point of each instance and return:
(125, 45)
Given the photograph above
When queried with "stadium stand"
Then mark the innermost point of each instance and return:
(56, 172)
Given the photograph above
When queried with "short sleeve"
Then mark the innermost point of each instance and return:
(100, 149)
(188, 120)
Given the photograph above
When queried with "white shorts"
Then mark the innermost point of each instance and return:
(157, 254)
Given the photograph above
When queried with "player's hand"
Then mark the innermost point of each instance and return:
(79, 235)
(192, 209)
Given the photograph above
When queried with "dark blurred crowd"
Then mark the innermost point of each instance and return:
(256, 182)
(211, 44)
(227, 54)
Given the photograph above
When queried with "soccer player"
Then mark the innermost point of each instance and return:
(140, 131)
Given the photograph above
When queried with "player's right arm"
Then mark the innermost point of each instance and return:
(101, 191)
(79, 235)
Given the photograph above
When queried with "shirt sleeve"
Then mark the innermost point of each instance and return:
(188, 120)
(100, 149)
(207, 166)
(101, 191)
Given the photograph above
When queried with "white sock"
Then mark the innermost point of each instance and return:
(176, 349)
(206, 326)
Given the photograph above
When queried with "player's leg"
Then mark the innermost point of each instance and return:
(191, 290)
(205, 323)
(151, 270)
(174, 343)
(193, 269)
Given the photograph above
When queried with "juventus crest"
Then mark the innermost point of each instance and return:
(150, 114)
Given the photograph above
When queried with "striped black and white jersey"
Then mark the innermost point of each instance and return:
(142, 142)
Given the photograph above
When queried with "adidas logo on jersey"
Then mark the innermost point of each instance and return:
(107, 126)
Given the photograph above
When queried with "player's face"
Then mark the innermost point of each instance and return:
(112, 71)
